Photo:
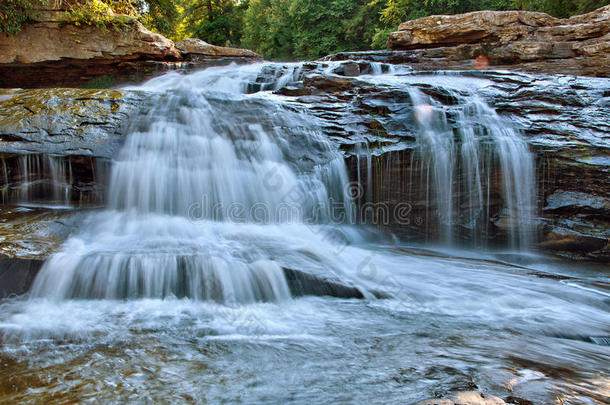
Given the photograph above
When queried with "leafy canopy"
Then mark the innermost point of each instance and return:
(278, 29)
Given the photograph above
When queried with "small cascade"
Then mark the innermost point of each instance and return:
(463, 148)
(436, 142)
(37, 179)
(464, 174)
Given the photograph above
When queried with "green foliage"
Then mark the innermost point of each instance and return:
(95, 12)
(398, 11)
(100, 82)
(13, 13)
(305, 29)
(278, 29)
(162, 16)
(219, 22)
(266, 28)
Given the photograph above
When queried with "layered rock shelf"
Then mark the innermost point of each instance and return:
(516, 40)
(50, 53)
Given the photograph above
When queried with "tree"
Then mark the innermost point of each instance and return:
(219, 22)
(162, 16)
(267, 29)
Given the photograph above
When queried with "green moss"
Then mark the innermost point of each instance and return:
(100, 82)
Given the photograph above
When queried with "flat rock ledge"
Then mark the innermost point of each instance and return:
(50, 53)
(536, 42)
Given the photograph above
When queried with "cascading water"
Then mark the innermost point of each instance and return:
(464, 149)
(477, 140)
(189, 166)
(226, 199)
(37, 178)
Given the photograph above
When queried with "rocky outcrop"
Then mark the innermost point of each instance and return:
(56, 144)
(48, 41)
(528, 41)
(194, 49)
(51, 52)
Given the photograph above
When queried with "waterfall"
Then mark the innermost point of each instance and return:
(216, 174)
(202, 176)
(37, 179)
(460, 159)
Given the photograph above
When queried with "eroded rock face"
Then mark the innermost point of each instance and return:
(535, 41)
(46, 41)
(56, 144)
(50, 53)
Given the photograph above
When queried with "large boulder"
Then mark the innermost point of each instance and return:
(536, 41)
(193, 49)
(47, 41)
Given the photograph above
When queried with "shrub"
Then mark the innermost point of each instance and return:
(13, 13)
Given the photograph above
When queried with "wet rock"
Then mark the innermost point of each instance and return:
(348, 69)
(17, 275)
(534, 41)
(573, 244)
(570, 202)
(327, 83)
(301, 283)
(64, 121)
(56, 144)
(27, 237)
(517, 401)
(34, 233)
(466, 398)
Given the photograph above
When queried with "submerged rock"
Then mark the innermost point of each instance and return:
(465, 398)
(301, 283)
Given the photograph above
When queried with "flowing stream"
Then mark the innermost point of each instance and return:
(228, 266)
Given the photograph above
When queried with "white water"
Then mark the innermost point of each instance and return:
(38, 177)
(189, 166)
(462, 147)
(176, 292)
